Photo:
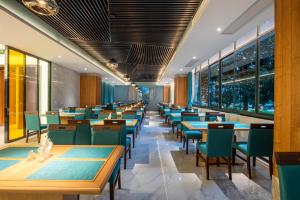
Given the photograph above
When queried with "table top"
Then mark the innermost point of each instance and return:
(179, 114)
(197, 125)
(65, 114)
(80, 169)
(129, 122)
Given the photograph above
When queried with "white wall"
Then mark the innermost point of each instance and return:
(65, 87)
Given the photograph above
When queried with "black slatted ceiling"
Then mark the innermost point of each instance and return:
(141, 35)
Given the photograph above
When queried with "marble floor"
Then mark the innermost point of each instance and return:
(160, 170)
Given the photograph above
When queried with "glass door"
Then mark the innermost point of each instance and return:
(16, 94)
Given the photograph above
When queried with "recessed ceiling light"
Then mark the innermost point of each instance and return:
(105, 78)
(85, 69)
(181, 69)
(194, 57)
(219, 29)
(59, 56)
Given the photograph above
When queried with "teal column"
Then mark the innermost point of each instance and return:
(190, 88)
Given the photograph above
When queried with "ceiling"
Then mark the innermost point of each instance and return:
(203, 40)
(29, 39)
(141, 36)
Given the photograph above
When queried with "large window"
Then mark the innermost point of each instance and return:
(204, 86)
(245, 68)
(31, 83)
(214, 85)
(245, 83)
(266, 74)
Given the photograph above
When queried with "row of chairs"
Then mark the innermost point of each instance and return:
(221, 143)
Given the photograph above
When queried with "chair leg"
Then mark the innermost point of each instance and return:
(133, 140)
(271, 166)
(130, 151)
(197, 157)
(254, 161)
(111, 191)
(233, 156)
(177, 133)
(207, 168)
(229, 169)
(183, 142)
(39, 136)
(249, 166)
(218, 162)
(27, 135)
(173, 128)
(119, 179)
(125, 159)
(187, 146)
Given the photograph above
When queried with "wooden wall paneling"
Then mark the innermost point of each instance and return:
(181, 91)
(287, 81)
(90, 90)
(167, 91)
(2, 83)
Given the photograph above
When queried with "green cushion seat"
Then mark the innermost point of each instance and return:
(193, 134)
(241, 146)
(44, 126)
(128, 141)
(203, 148)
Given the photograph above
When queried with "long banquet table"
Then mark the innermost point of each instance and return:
(70, 170)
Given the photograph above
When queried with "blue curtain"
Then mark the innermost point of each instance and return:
(190, 87)
(104, 97)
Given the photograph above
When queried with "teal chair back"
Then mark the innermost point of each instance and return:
(88, 113)
(32, 121)
(52, 117)
(106, 134)
(62, 134)
(83, 133)
(260, 140)
(188, 116)
(129, 115)
(288, 165)
(212, 116)
(219, 140)
(173, 110)
(118, 122)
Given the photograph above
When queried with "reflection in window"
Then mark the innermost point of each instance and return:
(245, 61)
(31, 83)
(214, 85)
(228, 87)
(197, 93)
(204, 86)
(43, 86)
(266, 74)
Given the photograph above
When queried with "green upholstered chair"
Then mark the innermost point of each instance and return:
(288, 165)
(53, 117)
(259, 144)
(129, 114)
(83, 133)
(62, 134)
(212, 116)
(33, 125)
(218, 144)
(114, 179)
(113, 132)
(89, 113)
(133, 131)
(190, 134)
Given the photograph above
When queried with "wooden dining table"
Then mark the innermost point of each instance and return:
(69, 171)
(65, 116)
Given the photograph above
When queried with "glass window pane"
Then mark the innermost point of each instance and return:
(266, 74)
(214, 85)
(43, 87)
(204, 86)
(197, 94)
(252, 35)
(245, 61)
(266, 26)
(228, 87)
(31, 83)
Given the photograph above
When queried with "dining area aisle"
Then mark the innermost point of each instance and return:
(160, 169)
